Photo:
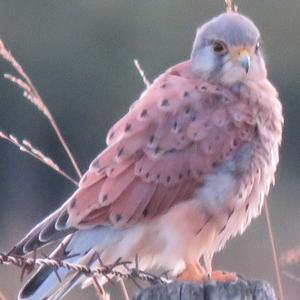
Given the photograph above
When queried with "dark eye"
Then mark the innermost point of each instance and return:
(219, 47)
(257, 47)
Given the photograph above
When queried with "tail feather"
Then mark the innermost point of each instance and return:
(49, 230)
(76, 248)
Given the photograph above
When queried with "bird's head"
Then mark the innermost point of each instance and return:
(226, 50)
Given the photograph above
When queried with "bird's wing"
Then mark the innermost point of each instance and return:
(179, 131)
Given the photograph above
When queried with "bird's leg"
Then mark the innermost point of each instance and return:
(192, 272)
(221, 276)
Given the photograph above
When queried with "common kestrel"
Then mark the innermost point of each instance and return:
(184, 170)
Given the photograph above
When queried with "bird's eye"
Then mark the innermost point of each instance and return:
(257, 47)
(219, 47)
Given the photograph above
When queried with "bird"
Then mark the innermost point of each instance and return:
(185, 169)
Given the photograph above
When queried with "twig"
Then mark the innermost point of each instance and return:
(142, 73)
(274, 251)
(26, 147)
(31, 93)
(100, 291)
(124, 289)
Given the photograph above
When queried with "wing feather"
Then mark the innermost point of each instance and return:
(179, 131)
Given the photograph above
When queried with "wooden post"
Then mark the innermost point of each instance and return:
(238, 290)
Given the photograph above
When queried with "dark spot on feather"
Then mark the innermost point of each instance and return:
(168, 179)
(247, 206)
(163, 86)
(157, 176)
(73, 203)
(96, 164)
(156, 150)
(147, 175)
(235, 142)
(144, 113)
(140, 170)
(206, 222)
(145, 212)
(222, 229)
(193, 119)
(203, 88)
(120, 152)
(118, 217)
(127, 127)
(151, 139)
(175, 73)
(175, 125)
(240, 196)
(218, 89)
(196, 87)
(165, 102)
(172, 150)
(200, 172)
(214, 164)
(187, 110)
(180, 175)
(186, 94)
(112, 134)
(105, 197)
(217, 138)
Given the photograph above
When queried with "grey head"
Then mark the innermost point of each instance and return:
(227, 50)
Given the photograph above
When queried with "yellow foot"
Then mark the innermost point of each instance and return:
(192, 272)
(222, 276)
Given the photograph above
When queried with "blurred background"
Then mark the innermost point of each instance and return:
(79, 55)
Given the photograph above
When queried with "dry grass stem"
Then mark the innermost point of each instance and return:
(26, 147)
(99, 289)
(291, 276)
(31, 93)
(124, 289)
(230, 6)
(274, 251)
(142, 73)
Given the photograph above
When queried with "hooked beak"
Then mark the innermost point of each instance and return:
(244, 60)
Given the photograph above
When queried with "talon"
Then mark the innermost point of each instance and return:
(222, 276)
(192, 272)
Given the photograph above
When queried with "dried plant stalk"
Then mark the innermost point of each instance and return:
(274, 251)
(26, 147)
(31, 93)
(230, 6)
(142, 73)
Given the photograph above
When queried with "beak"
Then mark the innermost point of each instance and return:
(244, 59)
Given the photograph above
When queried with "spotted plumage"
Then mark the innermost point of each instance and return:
(184, 170)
